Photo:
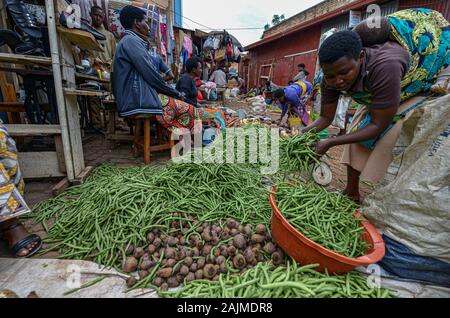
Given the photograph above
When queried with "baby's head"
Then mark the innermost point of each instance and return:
(373, 31)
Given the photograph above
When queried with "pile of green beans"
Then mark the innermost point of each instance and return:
(219, 148)
(292, 281)
(116, 207)
(297, 152)
(327, 218)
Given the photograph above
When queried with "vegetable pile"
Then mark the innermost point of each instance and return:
(171, 225)
(117, 207)
(297, 153)
(292, 281)
(326, 218)
(167, 260)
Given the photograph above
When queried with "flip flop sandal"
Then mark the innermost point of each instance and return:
(32, 238)
(23, 19)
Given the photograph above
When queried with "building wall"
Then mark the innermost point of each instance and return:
(277, 52)
(307, 40)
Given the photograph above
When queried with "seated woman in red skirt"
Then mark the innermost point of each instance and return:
(139, 88)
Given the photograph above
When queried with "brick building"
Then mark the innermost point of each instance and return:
(296, 39)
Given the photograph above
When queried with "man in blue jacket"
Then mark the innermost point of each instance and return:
(136, 78)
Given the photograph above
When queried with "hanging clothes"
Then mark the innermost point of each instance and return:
(187, 44)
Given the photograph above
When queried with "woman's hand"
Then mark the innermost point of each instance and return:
(322, 146)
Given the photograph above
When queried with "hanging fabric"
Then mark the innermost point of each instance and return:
(187, 44)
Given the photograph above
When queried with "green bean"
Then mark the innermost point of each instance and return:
(329, 221)
(115, 206)
(301, 282)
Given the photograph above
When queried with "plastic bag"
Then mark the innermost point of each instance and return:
(341, 111)
(412, 204)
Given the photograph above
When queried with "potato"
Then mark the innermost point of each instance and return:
(269, 248)
(199, 274)
(151, 249)
(201, 262)
(180, 278)
(157, 242)
(155, 231)
(223, 269)
(184, 270)
(209, 271)
(239, 241)
(131, 281)
(130, 264)
(129, 250)
(188, 261)
(172, 241)
(172, 282)
(190, 277)
(206, 250)
(261, 229)
(150, 237)
(231, 223)
(145, 265)
(165, 272)
(142, 274)
(196, 252)
(170, 252)
(239, 261)
(231, 250)
(206, 236)
(248, 230)
(157, 281)
(138, 252)
(164, 287)
(234, 232)
(199, 244)
(249, 255)
(171, 262)
(220, 259)
(256, 238)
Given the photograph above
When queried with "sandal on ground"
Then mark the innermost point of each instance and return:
(22, 244)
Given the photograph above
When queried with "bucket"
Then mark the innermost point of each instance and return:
(305, 251)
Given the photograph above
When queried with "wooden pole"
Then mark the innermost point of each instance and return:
(53, 39)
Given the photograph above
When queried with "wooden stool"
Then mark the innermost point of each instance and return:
(111, 134)
(146, 121)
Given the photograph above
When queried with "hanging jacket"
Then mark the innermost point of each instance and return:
(136, 80)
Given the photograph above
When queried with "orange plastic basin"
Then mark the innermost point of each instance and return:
(306, 252)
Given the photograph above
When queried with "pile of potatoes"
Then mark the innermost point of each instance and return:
(204, 254)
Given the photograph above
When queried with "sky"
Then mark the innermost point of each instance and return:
(239, 14)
